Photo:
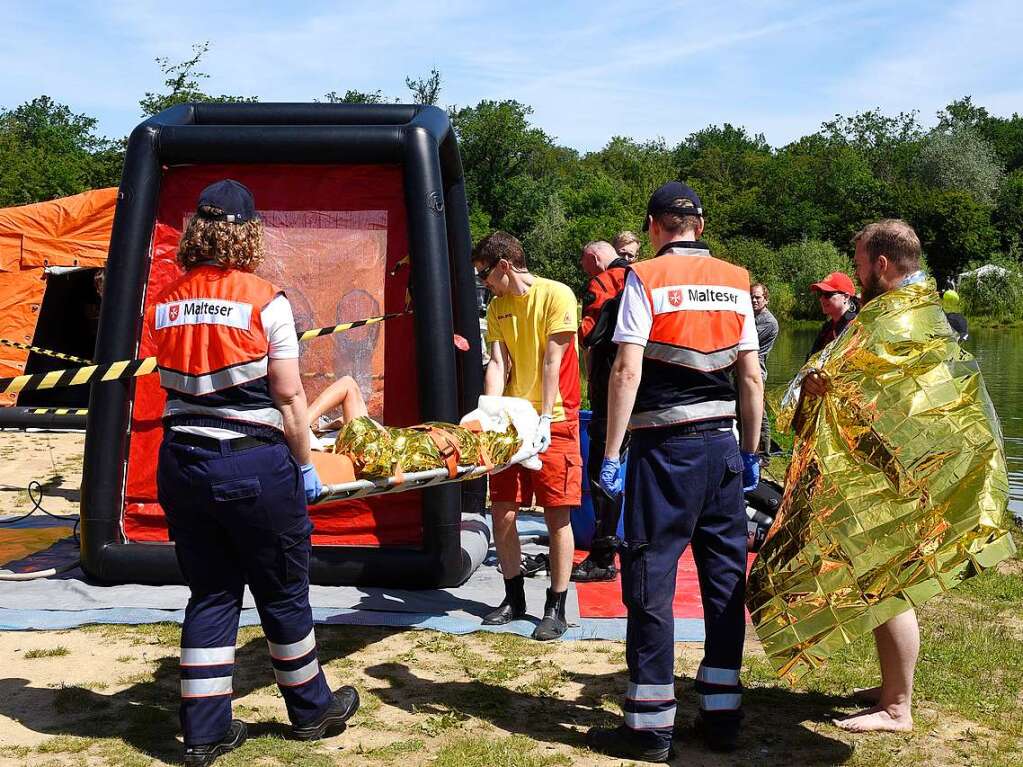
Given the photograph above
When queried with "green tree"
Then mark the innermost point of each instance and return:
(352, 96)
(1008, 213)
(425, 90)
(182, 85)
(803, 263)
(504, 157)
(960, 159)
(48, 151)
(954, 228)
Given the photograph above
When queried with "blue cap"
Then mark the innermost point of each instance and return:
(674, 197)
(234, 199)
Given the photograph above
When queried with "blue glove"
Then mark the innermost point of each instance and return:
(311, 481)
(611, 478)
(750, 471)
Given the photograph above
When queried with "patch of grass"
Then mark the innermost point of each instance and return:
(271, 750)
(475, 751)
(393, 750)
(49, 652)
(994, 588)
(546, 681)
(66, 744)
(436, 724)
(514, 646)
(125, 658)
(117, 753)
(15, 752)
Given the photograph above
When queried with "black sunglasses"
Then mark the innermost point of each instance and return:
(482, 274)
(831, 293)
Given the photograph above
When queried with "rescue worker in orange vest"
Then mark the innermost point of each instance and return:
(234, 475)
(596, 331)
(685, 322)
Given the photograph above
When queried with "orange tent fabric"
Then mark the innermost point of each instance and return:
(71, 231)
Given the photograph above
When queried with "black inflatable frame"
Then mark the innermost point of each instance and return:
(421, 140)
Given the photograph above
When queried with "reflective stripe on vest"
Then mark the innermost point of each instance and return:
(678, 414)
(208, 383)
(692, 359)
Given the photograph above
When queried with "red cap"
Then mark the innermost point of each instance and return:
(836, 282)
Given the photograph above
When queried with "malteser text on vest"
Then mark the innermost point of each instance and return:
(203, 311)
(680, 298)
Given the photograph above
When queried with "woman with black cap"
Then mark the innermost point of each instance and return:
(234, 475)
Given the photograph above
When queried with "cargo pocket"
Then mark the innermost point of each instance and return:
(733, 468)
(573, 476)
(634, 585)
(295, 551)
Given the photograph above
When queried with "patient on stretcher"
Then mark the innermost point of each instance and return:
(355, 446)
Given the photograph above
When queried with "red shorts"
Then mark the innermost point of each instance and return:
(557, 483)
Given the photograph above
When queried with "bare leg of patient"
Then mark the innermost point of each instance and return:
(343, 393)
(898, 645)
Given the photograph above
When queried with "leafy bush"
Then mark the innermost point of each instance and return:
(758, 258)
(993, 290)
(807, 262)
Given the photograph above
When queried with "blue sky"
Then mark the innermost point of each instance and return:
(590, 70)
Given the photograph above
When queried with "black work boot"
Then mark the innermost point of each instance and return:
(719, 732)
(514, 605)
(554, 623)
(589, 571)
(340, 710)
(200, 756)
(625, 743)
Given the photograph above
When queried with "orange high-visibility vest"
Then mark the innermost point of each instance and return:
(698, 304)
(211, 349)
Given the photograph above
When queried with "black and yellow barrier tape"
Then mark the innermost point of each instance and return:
(47, 352)
(59, 411)
(113, 371)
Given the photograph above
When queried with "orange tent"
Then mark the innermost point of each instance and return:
(72, 231)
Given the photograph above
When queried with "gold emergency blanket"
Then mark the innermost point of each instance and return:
(897, 488)
(379, 451)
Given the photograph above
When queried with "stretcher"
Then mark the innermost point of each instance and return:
(493, 413)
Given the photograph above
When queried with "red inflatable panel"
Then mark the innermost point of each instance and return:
(335, 239)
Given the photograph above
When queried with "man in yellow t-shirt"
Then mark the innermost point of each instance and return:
(531, 326)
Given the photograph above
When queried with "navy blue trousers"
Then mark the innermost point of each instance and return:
(238, 518)
(683, 488)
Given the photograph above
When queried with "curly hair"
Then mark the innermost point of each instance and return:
(238, 246)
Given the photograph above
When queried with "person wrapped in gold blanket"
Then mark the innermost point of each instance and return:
(897, 490)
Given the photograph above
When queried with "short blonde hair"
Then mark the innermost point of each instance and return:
(624, 238)
(894, 239)
(238, 246)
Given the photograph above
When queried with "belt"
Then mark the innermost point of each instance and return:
(237, 444)
(695, 428)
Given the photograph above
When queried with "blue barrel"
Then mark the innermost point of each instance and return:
(584, 521)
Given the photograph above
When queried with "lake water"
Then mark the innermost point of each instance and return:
(1000, 353)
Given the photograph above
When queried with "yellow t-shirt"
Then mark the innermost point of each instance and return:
(524, 323)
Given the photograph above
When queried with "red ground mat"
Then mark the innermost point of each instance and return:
(604, 600)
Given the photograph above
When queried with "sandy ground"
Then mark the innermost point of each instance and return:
(108, 695)
(54, 459)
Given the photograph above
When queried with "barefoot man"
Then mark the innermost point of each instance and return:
(897, 489)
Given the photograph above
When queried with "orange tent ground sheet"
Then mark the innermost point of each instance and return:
(71, 231)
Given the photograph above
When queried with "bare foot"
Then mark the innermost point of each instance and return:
(867, 696)
(878, 719)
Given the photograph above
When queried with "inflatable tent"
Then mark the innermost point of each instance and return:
(365, 214)
(49, 252)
